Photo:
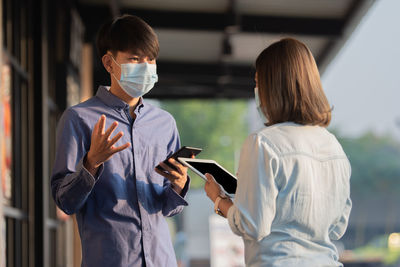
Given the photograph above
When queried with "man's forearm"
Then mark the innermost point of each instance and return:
(71, 190)
(90, 166)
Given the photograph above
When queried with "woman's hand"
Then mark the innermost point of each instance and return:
(214, 190)
(211, 187)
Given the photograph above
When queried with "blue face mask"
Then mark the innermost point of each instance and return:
(258, 104)
(137, 79)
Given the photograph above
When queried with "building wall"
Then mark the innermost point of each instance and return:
(41, 75)
(2, 230)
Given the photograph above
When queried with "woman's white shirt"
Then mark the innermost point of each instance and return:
(293, 196)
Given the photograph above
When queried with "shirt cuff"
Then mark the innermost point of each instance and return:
(180, 198)
(185, 189)
(232, 220)
(85, 173)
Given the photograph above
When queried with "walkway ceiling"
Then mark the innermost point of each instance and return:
(207, 47)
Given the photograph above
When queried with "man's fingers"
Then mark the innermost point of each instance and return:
(120, 148)
(102, 124)
(116, 138)
(111, 129)
(167, 175)
(95, 129)
(179, 167)
(170, 170)
(159, 171)
(166, 167)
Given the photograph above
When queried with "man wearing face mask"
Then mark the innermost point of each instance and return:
(107, 150)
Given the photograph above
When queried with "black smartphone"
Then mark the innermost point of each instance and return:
(183, 152)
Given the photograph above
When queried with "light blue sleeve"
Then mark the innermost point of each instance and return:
(338, 229)
(254, 206)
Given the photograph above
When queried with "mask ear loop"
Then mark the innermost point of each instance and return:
(119, 65)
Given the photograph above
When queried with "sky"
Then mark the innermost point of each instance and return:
(362, 82)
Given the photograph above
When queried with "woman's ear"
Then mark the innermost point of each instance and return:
(107, 62)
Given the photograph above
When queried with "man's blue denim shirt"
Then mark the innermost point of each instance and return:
(120, 212)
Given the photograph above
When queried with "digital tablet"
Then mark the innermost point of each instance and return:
(203, 166)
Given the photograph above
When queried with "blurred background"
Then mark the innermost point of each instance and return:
(206, 81)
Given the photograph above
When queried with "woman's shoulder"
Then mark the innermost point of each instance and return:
(288, 138)
(278, 133)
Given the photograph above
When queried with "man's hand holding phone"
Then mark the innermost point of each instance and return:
(173, 170)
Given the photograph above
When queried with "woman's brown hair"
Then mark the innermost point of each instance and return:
(289, 85)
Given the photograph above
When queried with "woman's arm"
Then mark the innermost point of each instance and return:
(253, 210)
(214, 191)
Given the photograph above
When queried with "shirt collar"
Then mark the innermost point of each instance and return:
(113, 101)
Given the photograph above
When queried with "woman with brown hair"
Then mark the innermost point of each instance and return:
(293, 193)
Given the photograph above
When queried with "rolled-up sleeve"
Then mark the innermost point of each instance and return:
(254, 206)
(71, 183)
(174, 202)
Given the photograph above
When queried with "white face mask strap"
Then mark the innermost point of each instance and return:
(112, 73)
(115, 77)
(119, 65)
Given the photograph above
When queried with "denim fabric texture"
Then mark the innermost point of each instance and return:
(293, 196)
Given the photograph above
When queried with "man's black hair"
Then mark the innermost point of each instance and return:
(127, 33)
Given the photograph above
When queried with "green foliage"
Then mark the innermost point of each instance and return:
(217, 126)
(378, 251)
(220, 127)
(375, 162)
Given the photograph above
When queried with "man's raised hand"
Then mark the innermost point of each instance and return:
(102, 146)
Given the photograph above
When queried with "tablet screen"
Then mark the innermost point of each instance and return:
(225, 179)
